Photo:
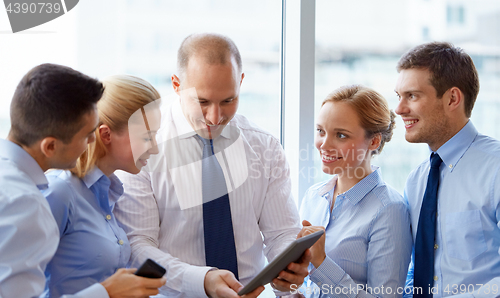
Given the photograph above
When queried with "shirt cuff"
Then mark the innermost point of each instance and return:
(193, 284)
(328, 272)
(277, 292)
(94, 291)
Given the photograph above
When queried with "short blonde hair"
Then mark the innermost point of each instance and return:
(372, 109)
(123, 95)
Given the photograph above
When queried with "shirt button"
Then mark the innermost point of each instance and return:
(436, 246)
(120, 242)
(333, 217)
(108, 217)
(435, 278)
(451, 166)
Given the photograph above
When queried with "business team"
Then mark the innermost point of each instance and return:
(208, 204)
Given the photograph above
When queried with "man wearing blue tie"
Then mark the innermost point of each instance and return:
(216, 202)
(454, 195)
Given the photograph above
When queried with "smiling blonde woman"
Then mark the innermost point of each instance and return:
(92, 245)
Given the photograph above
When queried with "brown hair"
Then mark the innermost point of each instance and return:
(449, 66)
(51, 100)
(213, 48)
(124, 94)
(372, 108)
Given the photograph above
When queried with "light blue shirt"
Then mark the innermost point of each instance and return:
(92, 245)
(28, 232)
(368, 239)
(467, 228)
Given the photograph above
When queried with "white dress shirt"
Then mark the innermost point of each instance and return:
(162, 211)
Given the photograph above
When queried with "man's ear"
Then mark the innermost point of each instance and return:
(48, 146)
(105, 134)
(455, 98)
(176, 84)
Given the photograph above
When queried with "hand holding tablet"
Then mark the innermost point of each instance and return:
(318, 254)
(291, 254)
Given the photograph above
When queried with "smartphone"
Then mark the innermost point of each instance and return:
(150, 269)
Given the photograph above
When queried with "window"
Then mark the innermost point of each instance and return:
(141, 37)
(455, 14)
(366, 48)
(425, 33)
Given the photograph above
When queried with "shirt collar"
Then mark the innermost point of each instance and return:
(96, 175)
(452, 151)
(358, 191)
(329, 185)
(184, 129)
(24, 161)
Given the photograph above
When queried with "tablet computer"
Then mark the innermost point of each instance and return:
(291, 254)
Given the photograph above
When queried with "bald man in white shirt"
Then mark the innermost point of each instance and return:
(162, 209)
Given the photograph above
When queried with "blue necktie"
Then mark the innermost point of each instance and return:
(424, 245)
(220, 250)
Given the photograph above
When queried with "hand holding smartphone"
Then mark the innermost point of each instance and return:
(150, 269)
